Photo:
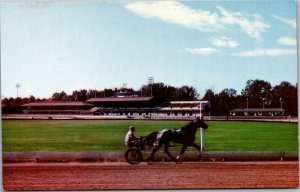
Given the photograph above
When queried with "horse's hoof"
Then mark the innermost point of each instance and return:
(178, 161)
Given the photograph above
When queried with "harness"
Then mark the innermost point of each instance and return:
(174, 132)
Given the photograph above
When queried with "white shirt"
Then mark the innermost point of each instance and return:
(129, 136)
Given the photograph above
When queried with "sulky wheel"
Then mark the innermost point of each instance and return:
(133, 156)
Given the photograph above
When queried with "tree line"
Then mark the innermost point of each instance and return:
(256, 94)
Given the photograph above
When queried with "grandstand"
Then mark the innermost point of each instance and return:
(144, 107)
(183, 108)
(258, 112)
(56, 107)
(122, 102)
(130, 107)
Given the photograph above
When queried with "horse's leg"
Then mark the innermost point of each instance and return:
(198, 148)
(195, 146)
(166, 150)
(154, 151)
(183, 148)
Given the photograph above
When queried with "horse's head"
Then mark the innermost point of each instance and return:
(199, 123)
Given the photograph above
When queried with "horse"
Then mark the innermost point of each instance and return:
(184, 135)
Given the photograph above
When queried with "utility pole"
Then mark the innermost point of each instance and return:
(201, 132)
(150, 81)
(18, 87)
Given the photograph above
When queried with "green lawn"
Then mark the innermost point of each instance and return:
(108, 135)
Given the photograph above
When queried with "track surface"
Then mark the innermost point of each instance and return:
(88, 176)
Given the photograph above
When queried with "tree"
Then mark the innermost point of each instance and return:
(211, 97)
(15, 105)
(186, 93)
(223, 102)
(5, 105)
(258, 93)
(81, 95)
(230, 92)
(285, 94)
(31, 99)
(162, 93)
(62, 96)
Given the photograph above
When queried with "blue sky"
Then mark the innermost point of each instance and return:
(50, 47)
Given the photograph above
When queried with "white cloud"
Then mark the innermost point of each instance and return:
(178, 13)
(253, 27)
(175, 12)
(33, 4)
(290, 22)
(266, 52)
(202, 51)
(287, 41)
(223, 42)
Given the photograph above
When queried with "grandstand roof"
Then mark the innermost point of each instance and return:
(118, 99)
(183, 105)
(57, 103)
(188, 102)
(259, 110)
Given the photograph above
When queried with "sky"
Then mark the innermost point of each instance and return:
(49, 47)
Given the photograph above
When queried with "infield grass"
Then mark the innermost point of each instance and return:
(108, 135)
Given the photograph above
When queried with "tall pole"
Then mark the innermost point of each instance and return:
(201, 132)
(18, 87)
(150, 81)
(247, 104)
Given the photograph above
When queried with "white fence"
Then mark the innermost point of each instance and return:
(149, 116)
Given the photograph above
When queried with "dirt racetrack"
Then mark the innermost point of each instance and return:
(89, 176)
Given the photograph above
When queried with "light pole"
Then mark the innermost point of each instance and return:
(247, 104)
(263, 103)
(150, 81)
(201, 132)
(18, 87)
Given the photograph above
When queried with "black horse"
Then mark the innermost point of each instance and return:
(184, 135)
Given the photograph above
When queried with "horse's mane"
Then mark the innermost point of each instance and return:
(187, 126)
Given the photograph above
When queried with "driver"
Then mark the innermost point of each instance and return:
(130, 139)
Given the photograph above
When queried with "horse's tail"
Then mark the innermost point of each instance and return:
(151, 138)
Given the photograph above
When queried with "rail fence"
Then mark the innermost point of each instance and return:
(60, 157)
(99, 117)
